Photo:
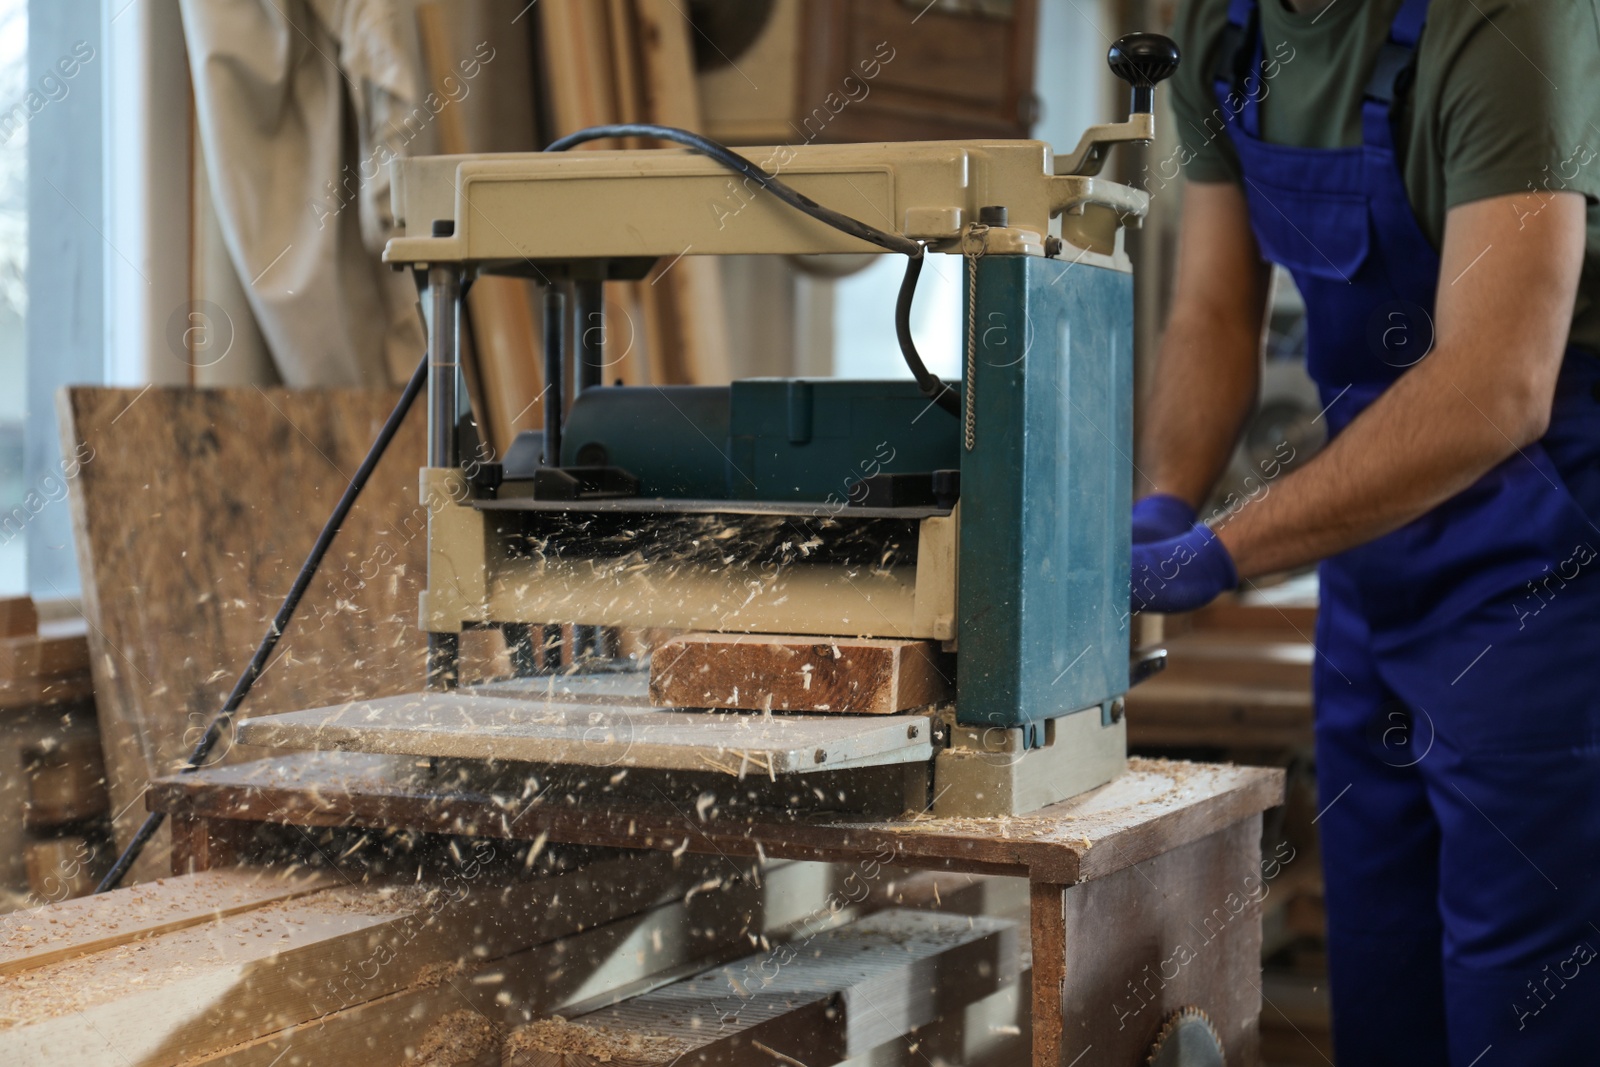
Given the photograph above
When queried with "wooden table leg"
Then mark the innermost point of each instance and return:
(1047, 920)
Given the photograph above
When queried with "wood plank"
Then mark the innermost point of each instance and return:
(898, 72)
(641, 953)
(820, 1000)
(506, 361)
(777, 672)
(182, 572)
(42, 936)
(1155, 807)
(46, 665)
(58, 867)
(37, 656)
(470, 726)
(199, 990)
(1293, 621)
(699, 315)
(66, 780)
(1199, 715)
(1238, 658)
(18, 616)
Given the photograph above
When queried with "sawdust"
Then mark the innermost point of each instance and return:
(437, 974)
(459, 1039)
(1148, 782)
(529, 1044)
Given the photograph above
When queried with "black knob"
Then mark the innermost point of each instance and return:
(1142, 60)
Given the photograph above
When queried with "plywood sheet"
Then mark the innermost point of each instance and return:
(191, 520)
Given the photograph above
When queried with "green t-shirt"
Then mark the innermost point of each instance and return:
(1506, 99)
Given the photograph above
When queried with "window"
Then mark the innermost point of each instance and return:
(13, 293)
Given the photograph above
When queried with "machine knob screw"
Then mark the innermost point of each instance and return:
(822, 755)
(1143, 60)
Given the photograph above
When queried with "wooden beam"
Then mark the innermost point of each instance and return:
(715, 921)
(18, 616)
(198, 990)
(38, 938)
(818, 1000)
(776, 672)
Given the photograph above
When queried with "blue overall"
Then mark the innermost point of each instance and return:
(1457, 693)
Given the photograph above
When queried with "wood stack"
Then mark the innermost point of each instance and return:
(40, 666)
(502, 363)
(1238, 676)
(254, 967)
(53, 801)
(631, 61)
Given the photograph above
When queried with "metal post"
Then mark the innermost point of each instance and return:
(589, 300)
(589, 311)
(444, 292)
(555, 354)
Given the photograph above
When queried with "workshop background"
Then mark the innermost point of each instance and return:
(193, 200)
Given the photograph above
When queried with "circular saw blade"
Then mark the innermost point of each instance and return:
(1187, 1039)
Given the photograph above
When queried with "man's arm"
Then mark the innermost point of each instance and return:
(1208, 369)
(1503, 312)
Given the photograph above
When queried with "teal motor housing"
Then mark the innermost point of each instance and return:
(794, 440)
(1046, 490)
(1044, 557)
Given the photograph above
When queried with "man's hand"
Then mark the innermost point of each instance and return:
(1504, 309)
(1182, 573)
(1160, 516)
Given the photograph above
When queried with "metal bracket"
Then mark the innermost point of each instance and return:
(1090, 155)
(1145, 664)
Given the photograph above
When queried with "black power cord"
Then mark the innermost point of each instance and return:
(280, 622)
(931, 386)
(914, 251)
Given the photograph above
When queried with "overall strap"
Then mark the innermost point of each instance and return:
(1238, 61)
(1392, 74)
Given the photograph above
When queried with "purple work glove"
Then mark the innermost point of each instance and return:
(1160, 516)
(1181, 573)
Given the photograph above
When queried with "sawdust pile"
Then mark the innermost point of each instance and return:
(559, 1043)
(459, 1039)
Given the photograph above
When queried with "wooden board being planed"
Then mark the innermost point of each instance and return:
(776, 672)
(192, 515)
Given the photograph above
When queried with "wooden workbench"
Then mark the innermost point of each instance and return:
(1145, 893)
